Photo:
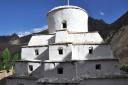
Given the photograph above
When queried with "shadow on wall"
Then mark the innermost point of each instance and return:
(46, 68)
(51, 40)
(44, 56)
(100, 52)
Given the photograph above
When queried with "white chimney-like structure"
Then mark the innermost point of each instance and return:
(70, 18)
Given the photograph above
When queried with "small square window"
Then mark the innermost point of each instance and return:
(60, 70)
(64, 25)
(60, 51)
(36, 52)
(90, 50)
(30, 67)
(98, 66)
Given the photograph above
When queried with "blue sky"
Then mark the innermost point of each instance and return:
(25, 16)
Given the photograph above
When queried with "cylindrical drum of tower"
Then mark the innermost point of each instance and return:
(70, 18)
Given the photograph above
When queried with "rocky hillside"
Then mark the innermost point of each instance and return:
(119, 39)
(115, 33)
(119, 43)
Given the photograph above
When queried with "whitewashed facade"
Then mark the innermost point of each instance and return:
(69, 54)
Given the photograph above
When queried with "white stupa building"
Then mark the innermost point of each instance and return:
(68, 54)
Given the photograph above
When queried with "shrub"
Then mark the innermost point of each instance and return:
(124, 67)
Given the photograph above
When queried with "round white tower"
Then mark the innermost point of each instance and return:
(71, 18)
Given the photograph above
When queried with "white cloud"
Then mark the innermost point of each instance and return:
(101, 13)
(35, 30)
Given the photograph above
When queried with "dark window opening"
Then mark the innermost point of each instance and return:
(60, 70)
(66, 84)
(90, 50)
(30, 67)
(64, 24)
(98, 67)
(20, 84)
(60, 51)
(36, 52)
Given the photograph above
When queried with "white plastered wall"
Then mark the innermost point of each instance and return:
(39, 40)
(81, 52)
(29, 53)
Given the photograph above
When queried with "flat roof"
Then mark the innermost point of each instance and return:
(66, 7)
(68, 61)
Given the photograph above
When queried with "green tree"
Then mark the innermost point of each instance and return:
(15, 57)
(5, 59)
(8, 61)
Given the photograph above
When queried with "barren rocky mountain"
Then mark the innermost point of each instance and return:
(115, 34)
(119, 43)
(119, 38)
